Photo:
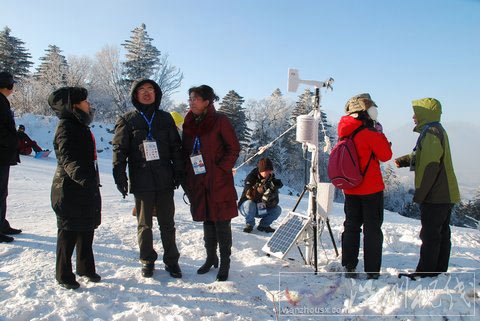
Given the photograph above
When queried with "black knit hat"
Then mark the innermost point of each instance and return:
(265, 164)
(6, 79)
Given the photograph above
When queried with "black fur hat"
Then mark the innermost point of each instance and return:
(6, 80)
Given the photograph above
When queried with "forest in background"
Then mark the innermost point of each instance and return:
(108, 77)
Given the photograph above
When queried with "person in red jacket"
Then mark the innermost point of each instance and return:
(364, 203)
(25, 143)
(211, 149)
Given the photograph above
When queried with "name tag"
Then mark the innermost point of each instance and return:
(198, 164)
(151, 150)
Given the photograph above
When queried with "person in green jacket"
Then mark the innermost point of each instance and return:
(436, 188)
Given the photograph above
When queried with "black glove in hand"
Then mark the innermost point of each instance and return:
(123, 188)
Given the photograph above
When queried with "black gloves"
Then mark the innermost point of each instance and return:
(121, 180)
(123, 188)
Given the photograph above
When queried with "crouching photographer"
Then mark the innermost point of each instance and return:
(260, 197)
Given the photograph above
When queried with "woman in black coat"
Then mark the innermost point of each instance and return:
(75, 194)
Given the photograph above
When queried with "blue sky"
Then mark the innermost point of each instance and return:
(395, 50)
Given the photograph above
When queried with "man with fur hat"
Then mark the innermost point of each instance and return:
(260, 197)
(8, 152)
(436, 187)
(146, 139)
(364, 203)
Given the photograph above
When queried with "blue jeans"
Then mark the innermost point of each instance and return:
(250, 211)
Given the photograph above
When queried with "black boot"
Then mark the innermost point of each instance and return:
(224, 237)
(210, 239)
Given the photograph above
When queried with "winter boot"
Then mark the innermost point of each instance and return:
(210, 239)
(224, 237)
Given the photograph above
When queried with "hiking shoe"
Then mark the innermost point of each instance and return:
(92, 277)
(147, 270)
(266, 229)
(174, 270)
(72, 285)
(248, 228)
(11, 231)
(5, 238)
(373, 276)
(350, 273)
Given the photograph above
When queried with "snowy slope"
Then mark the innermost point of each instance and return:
(259, 287)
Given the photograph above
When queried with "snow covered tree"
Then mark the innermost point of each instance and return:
(231, 105)
(395, 193)
(269, 119)
(14, 57)
(295, 163)
(107, 74)
(169, 78)
(53, 68)
(326, 137)
(79, 72)
(143, 58)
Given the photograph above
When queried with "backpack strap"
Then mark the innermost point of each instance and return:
(355, 132)
(368, 164)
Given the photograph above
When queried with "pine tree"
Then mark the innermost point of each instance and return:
(143, 58)
(14, 57)
(53, 68)
(231, 105)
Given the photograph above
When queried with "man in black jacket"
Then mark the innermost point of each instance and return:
(8, 152)
(148, 141)
(260, 197)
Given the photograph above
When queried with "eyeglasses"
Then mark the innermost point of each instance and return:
(194, 98)
(146, 90)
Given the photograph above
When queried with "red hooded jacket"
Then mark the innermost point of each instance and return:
(367, 141)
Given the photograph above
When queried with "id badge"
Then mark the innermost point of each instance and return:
(262, 209)
(198, 164)
(151, 150)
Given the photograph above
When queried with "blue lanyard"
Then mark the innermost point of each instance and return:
(149, 123)
(424, 132)
(196, 146)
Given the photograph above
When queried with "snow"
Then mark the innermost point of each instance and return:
(259, 287)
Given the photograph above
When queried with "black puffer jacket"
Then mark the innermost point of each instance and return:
(75, 193)
(131, 131)
(268, 187)
(8, 134)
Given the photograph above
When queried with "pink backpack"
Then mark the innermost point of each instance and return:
(343, 164)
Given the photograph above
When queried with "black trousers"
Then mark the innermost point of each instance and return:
(366, 210)
(66, 242)
(435, 236)
(4, 175)
(164, 206)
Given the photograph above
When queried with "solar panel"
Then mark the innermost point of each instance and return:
(286, 235)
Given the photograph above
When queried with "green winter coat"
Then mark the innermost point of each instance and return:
(435, 180)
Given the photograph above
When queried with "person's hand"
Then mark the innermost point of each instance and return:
(397, 164)
(123, 188)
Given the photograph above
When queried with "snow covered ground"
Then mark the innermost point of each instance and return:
(259, 287)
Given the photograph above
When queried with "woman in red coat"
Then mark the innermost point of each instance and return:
(364, 203)
(211, 149)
